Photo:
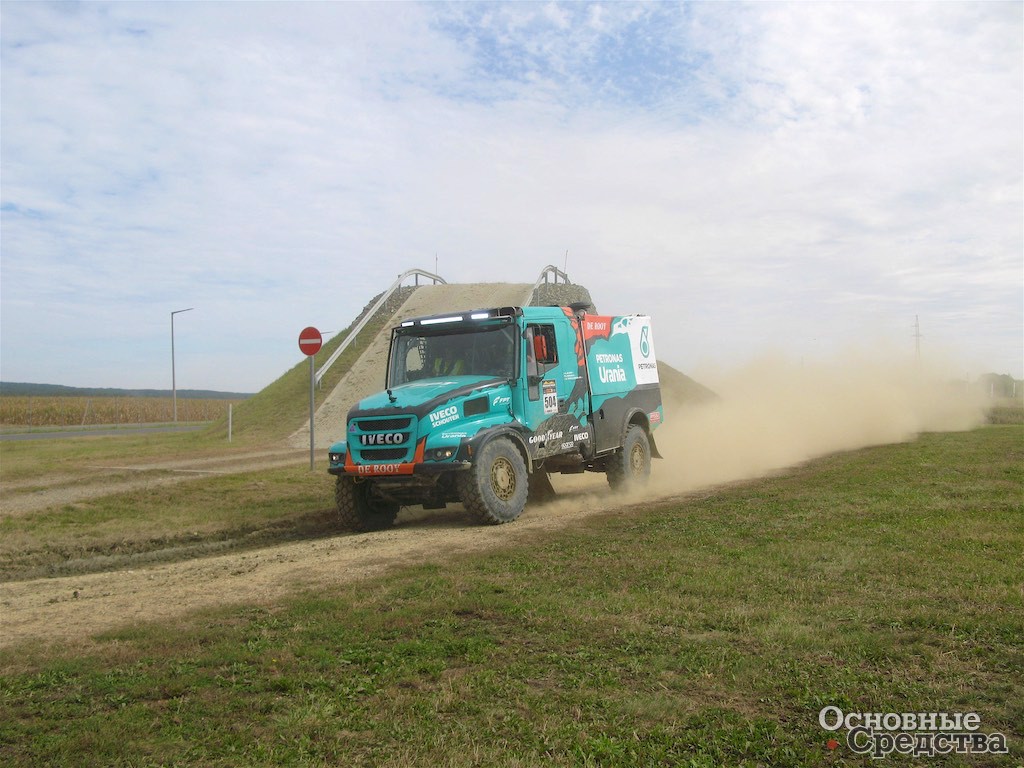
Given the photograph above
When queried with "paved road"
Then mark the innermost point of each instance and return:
(100, 432)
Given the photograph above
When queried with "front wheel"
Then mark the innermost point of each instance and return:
(630, 467)
(360, 508)
(495, 487)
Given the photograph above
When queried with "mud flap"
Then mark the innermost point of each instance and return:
(540, 490)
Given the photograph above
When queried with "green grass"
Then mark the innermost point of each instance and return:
(701, 631)
(1005, 414)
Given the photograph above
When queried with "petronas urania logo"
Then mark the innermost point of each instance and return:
(645, 341)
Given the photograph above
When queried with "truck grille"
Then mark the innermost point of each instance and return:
(384, 425)
(372, 440)
(383, 454)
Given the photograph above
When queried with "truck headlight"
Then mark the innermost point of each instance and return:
(336, 458)
(440, 454)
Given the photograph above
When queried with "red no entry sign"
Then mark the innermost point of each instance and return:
(310, 341)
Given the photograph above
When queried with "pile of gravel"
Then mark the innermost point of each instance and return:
(561, 295)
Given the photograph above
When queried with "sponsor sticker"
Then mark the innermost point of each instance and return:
(383, 438)
(550, 390)
(614, 375)
(543, 437)
(444, 416)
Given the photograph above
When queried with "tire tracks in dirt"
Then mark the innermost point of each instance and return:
(71, 609)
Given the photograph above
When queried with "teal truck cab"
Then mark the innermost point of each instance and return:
(481, 406)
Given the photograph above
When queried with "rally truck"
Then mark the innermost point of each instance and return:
(481, 406)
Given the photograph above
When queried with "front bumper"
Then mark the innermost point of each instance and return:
(399, 470)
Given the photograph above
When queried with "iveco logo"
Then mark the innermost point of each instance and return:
(383, 438)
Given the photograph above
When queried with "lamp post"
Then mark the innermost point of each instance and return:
(174, 383)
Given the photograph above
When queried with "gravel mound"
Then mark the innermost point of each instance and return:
(367, 374)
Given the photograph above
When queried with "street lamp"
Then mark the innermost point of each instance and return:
(174, 383)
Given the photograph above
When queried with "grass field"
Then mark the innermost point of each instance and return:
(700, 631)
(273, 413)
(57, 411)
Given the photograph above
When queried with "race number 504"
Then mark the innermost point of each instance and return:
(550, 397)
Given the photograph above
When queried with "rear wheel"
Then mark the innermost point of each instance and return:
(495, 487)
(630, 467)
(360, 508)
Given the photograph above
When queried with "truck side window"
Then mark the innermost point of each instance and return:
(541, 354)
(545, 349)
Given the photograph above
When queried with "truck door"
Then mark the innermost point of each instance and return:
(541, 374)
(555, 376)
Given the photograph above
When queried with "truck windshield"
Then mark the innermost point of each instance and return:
(418, 353)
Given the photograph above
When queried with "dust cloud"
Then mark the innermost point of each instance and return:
(775, 413)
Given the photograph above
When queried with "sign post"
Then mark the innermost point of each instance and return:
(310, 342)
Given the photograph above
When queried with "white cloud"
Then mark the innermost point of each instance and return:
(783, 172)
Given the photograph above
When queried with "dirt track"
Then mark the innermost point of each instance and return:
(70, 609)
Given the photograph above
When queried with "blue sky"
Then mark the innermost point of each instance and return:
(766, 177)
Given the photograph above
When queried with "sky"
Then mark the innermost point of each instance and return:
(764, 178)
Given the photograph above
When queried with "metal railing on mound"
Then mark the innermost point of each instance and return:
(416, 273)
(550, 271)
(550, 274)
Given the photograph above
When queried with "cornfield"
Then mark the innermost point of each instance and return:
(87, 411)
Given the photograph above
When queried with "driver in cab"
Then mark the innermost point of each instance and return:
(448, 363)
